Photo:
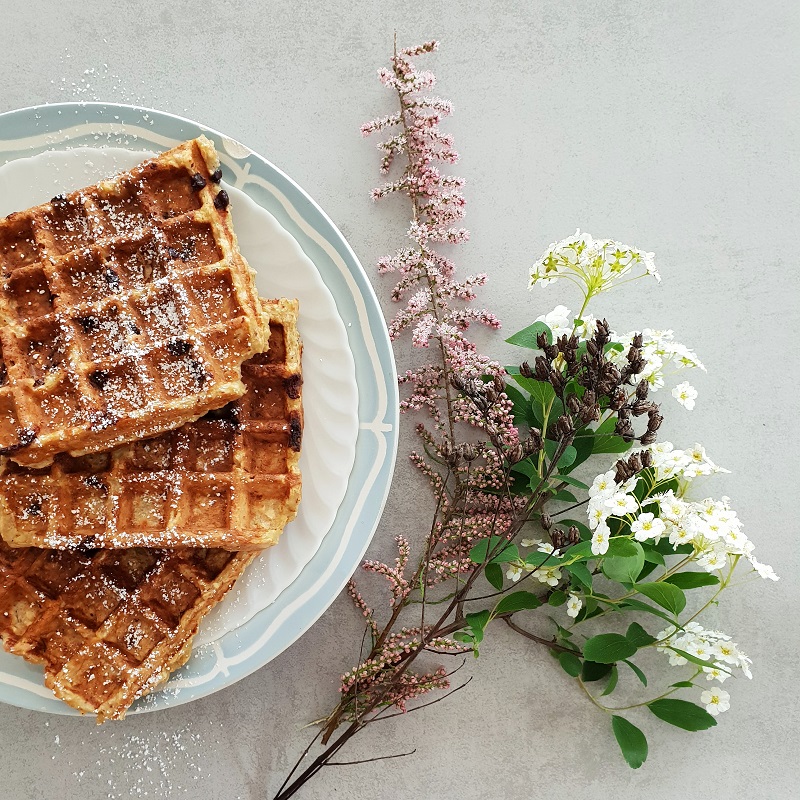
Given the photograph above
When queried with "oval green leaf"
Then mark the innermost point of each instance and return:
(682, 714)
(692, 580)
(606, 648)
(631, 741)
(664, 594)
(570, 663)
(517, 601)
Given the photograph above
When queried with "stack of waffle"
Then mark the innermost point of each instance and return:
(150, 425)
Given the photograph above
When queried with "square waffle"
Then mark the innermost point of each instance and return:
(229, 480)
(126, 309)
(109, 625)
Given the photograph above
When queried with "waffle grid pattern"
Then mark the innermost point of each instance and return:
(126, 309)
(109, 625)
(230, 479)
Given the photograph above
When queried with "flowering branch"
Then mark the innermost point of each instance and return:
(499, 450)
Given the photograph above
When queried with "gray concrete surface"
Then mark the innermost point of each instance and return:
(673, 126)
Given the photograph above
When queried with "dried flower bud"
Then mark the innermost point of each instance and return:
(649, 437)
(533, 444)
(654, 422)
(468, 451)
(564, 426)
(574, 535)
(541, 340)
(515, 454)
(635, 463)
(547, 522)
(592, 348)
(641, 390)
(457, 382)
(499, 385)
(573, 404)
(637, 341)
(602, 333)
(641, 407)
(622, 473)
(617, 400)
(525, 370)
(589, 412)
(556, 380)
(551, 351)
(647, 456)
(542, 369)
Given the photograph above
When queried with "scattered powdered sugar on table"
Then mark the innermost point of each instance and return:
(157, 764)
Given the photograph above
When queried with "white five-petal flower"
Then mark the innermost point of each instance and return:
(716, 700)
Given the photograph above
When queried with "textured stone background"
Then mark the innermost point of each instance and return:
(673, 126)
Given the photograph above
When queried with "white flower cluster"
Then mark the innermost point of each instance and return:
(707, 645)
(561, 323)
(594, 264)
(550, 576)
(710, 526)
(662, 355)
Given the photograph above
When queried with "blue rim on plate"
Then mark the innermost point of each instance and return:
(30, 131)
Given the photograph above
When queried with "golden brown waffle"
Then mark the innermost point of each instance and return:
(126, 309)
(109, 625)
(230, 479)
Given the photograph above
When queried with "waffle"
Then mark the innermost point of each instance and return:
(109, 625)
(126, 309)
(229, 480)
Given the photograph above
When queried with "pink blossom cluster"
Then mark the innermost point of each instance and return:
(437, 313)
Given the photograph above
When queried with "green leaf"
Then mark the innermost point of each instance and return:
(566, 458)
(570, 663)
(699, 661)
(573, 482)
(652, 555)
(609, 444)
(537, 559)
(637, 672)
(682, 714)
(692, 580)
(521, 406)
(583, 443)
(638, 635)
(517, 601)
(557, 598)
(664, 594)
(682, 685)
(646, 570)
(505, 551)
(631, 741)
(461, 636)
(477, 622)
(494, 574)
(620, 546)
(592, 671)
(624, 569)
(564, 497)
(526, 467)
(612, 682)
(527, 336)
(638, 605)
(581, 573)
(608, 648)
(543, 399)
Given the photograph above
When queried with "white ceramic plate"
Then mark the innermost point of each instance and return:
(350, 399)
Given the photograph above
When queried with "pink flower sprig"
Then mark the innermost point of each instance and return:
(427, 282)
